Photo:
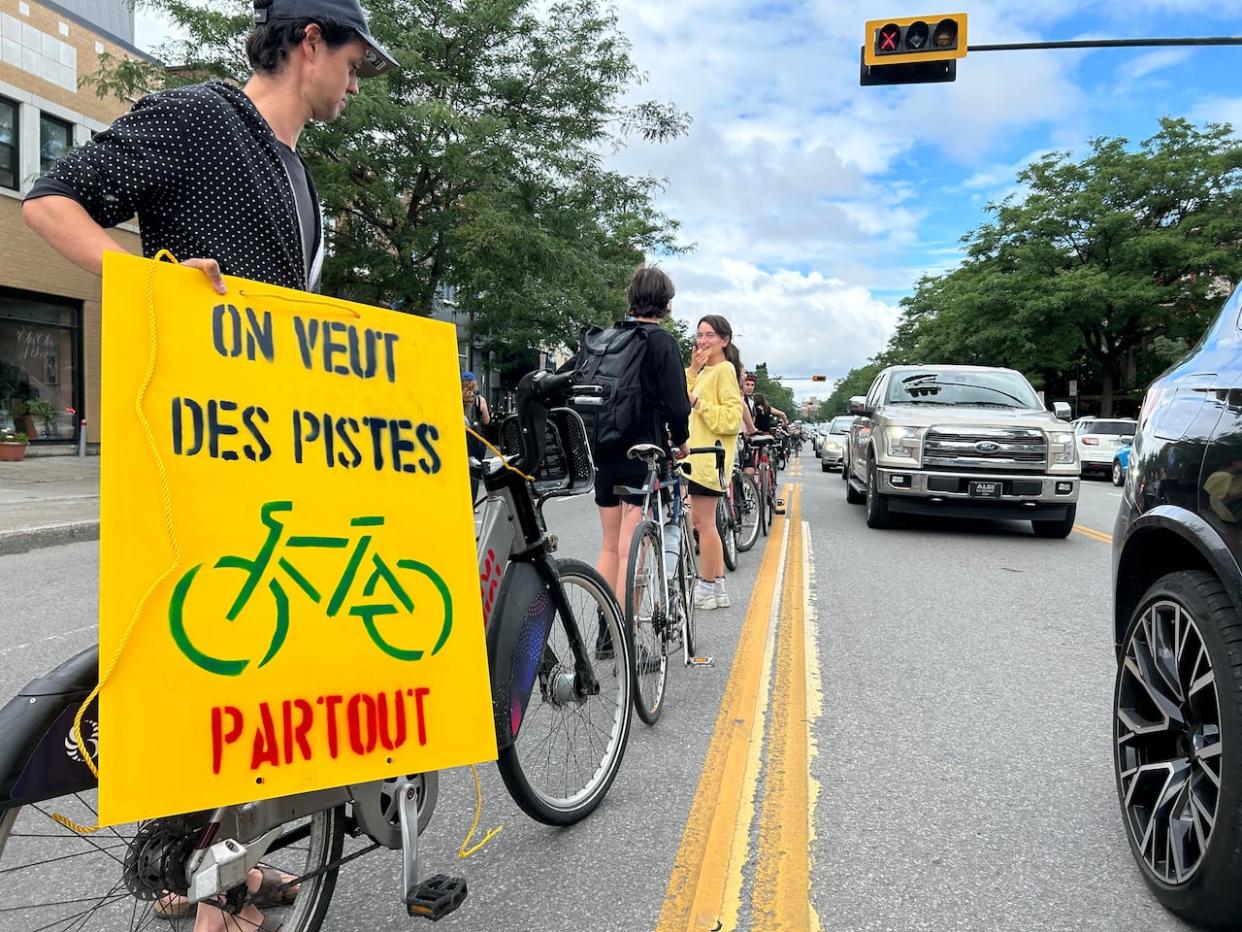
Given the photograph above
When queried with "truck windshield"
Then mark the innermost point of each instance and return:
(1005, 389)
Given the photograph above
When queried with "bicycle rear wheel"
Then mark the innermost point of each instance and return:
(766, 496)
(728, 539)
(121, 877)
(569, 749)
(749, 514)
(647, 617)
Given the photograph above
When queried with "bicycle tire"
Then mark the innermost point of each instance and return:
(769, 501)
(728, 540)
(687, 576)
(517, 762)
(749, 511)
(77, 863)
(648, 620)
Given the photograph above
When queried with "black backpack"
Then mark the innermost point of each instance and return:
(612, 358)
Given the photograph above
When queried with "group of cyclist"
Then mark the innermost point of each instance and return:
(712, 400)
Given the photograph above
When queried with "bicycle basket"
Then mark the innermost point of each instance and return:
(567, 467)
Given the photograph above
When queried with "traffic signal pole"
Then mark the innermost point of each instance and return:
(1105, 44)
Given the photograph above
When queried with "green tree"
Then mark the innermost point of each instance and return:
(1095, 261)
(478, 165)
(855, 382)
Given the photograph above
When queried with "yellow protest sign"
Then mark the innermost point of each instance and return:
(286, 535)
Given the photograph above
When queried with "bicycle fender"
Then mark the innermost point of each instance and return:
(515, 640)
(39, 758)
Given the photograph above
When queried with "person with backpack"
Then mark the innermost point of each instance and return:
(638, 365)
(713, 380)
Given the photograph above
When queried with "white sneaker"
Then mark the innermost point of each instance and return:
(722, 597)
(705, 597)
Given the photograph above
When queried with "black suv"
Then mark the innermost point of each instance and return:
(1177, 620)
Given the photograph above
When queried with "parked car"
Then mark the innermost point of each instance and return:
(1099, 439)
(962, 441)
(1177, 626)
(832, 445)
(1121, 462)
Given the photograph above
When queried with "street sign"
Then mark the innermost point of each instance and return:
(287, 555)
(1073, 388)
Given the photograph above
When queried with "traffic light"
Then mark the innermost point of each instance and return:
(819, 378)
(913, 50)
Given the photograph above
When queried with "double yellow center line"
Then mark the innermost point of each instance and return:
(705, 886)
(1093, 533)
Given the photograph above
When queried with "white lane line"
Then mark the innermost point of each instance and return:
(50, 637)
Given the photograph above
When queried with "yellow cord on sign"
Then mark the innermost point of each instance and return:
(463, 852)
(172, 539)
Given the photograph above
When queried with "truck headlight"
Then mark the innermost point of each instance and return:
(1061, 447)
(903, 443)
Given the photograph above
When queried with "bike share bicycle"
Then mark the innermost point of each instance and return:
(660, 615)
(544, 688)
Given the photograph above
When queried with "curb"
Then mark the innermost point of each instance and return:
(23, 540)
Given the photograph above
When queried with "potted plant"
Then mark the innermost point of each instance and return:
(12, 445)
(45, 411)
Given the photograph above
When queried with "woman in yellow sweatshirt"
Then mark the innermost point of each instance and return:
(716, 414)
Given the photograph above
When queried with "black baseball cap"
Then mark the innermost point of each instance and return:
(346, 12)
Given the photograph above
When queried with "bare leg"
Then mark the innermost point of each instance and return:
(711, 551)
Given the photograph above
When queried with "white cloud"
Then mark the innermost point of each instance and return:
(1219, 110)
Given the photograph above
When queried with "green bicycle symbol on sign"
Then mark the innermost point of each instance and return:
(369, 611)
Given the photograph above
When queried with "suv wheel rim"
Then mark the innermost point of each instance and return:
(1168, 742)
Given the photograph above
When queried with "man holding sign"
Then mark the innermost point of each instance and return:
(211, 171)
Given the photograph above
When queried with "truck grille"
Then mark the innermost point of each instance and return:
(986, 448)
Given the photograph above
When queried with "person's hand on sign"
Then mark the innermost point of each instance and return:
(211, 268)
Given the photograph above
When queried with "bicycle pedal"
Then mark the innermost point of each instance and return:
(553, 540)
(437, 896)
(701, 662)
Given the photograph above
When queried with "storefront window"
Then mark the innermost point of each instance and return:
(8, 144)
(40, 384)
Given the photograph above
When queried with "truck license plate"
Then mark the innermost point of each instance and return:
(985, 490)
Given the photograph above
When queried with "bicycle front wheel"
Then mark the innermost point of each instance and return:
(746, 502)
(126, 877)
(687, 575)
(728, 539)
(569, 748)
(646, 613)
(767, 505)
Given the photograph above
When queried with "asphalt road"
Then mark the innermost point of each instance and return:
(958, 731)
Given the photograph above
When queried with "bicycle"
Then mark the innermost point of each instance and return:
(57, 876)
(657, 617)
(769, 504)
(744, 506)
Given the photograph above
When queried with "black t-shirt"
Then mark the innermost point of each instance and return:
(308, 214)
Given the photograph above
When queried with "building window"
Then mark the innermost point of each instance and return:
(40, 365)
(8, 144)
(55, 139)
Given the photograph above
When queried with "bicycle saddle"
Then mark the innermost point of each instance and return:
(759, 440)
(646, 451)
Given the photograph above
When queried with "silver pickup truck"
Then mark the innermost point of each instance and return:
(961, 441)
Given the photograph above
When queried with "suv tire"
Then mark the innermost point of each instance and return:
(1057, 529)
(877, 505)
(1119, 474)
(1177, 610)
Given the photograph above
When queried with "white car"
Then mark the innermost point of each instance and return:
(832, 444)
(1099, 438)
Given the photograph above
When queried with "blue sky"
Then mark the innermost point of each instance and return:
(814, 204)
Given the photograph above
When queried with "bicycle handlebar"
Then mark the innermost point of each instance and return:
(719, 451)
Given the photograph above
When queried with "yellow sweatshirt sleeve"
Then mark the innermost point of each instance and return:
(720, 403)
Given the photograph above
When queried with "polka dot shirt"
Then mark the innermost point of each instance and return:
(200, 168)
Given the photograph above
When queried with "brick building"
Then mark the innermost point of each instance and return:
(49, 309)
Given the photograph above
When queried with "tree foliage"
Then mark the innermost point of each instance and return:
(479, 165)
(1092, 265)
(778, 394)
(855, 382)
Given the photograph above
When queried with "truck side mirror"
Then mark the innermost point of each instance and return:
(1062, 410)
(858, 405)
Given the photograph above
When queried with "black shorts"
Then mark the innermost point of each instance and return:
(611, 471)
(696, 489)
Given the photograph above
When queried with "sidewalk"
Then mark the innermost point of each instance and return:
(48, 500)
